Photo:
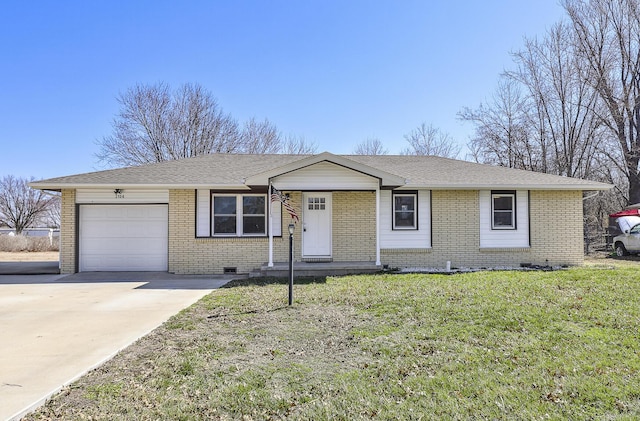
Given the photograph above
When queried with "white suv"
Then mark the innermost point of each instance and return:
(629, 240)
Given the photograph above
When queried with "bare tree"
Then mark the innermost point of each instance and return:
(608, 41)
(52, 216)
(199, 126)
(560, 105)
(155, 124)
(298, 145)
(20, 205)
(572, 106)
(370, 146)
(259, 137)
(429, 140)
(501, 132)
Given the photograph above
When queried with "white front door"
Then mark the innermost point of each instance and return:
(316, 224)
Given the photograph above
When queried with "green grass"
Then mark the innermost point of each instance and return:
(487, 345)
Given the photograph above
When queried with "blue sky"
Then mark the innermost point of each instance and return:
(335, 72)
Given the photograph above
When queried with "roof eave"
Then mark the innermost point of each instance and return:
(565, 187)
(58, 187)
(62, 186)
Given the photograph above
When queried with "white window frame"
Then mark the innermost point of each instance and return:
(263, 214)
(239, 215)
(413, 195)
(213, 216)
(503, 194)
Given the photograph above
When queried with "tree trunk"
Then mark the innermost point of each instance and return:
(634, 183)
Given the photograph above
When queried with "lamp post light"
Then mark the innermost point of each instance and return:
(292, 227)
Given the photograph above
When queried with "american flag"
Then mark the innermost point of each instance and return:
(278, 196)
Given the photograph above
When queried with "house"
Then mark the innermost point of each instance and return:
(215, 213)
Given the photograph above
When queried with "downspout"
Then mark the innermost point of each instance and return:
(591, 195)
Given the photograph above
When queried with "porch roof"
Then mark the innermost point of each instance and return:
(387, 179)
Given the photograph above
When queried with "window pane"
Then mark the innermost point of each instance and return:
(404, 203)
(503, 219)
(316, 203)
(503, 203)
(404, 219)
(224, 205)
(253, 225)
(253, 205)
(224, 224)
(503, 210)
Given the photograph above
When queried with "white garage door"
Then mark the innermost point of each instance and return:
(123, 238)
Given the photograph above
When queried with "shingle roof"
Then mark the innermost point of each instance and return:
(444, 173)
(231, 170)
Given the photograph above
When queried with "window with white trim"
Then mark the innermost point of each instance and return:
(503, 210)
(405, 211)
(239, 215)
(254, 221)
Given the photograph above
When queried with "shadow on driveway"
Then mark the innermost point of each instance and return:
(29, 268)
(149, 280)
(153, 280)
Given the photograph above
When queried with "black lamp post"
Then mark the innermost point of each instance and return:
(291, 229)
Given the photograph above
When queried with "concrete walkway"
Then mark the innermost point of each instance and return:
(55, 328)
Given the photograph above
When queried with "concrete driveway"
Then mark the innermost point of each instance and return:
(55, 328)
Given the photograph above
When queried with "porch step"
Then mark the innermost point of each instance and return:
(311, 269)
(317, 260)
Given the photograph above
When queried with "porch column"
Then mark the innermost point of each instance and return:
(378, 226)
(270, 263)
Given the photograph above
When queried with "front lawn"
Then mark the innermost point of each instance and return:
(487, 345)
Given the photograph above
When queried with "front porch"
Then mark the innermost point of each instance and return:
(311, 269)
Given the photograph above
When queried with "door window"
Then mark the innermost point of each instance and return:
(316, 203)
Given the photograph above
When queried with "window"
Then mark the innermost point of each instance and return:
(253, 215)
(224, 215)
(316, 203)
(239, 215)
(503, 210)
(405, 211)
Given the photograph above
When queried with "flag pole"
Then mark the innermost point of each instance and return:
(270, 264)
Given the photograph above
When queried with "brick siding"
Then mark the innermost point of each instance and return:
(191, 255)
(353, 236)
(68, 231)
(556, 233)
(354, 226)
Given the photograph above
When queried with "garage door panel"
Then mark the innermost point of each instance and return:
(123, 246)
(115, 229)
(123, 237)
(94, 263)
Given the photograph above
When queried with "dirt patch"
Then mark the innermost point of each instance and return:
(215, 354)
(607, 259)
(35, 256)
